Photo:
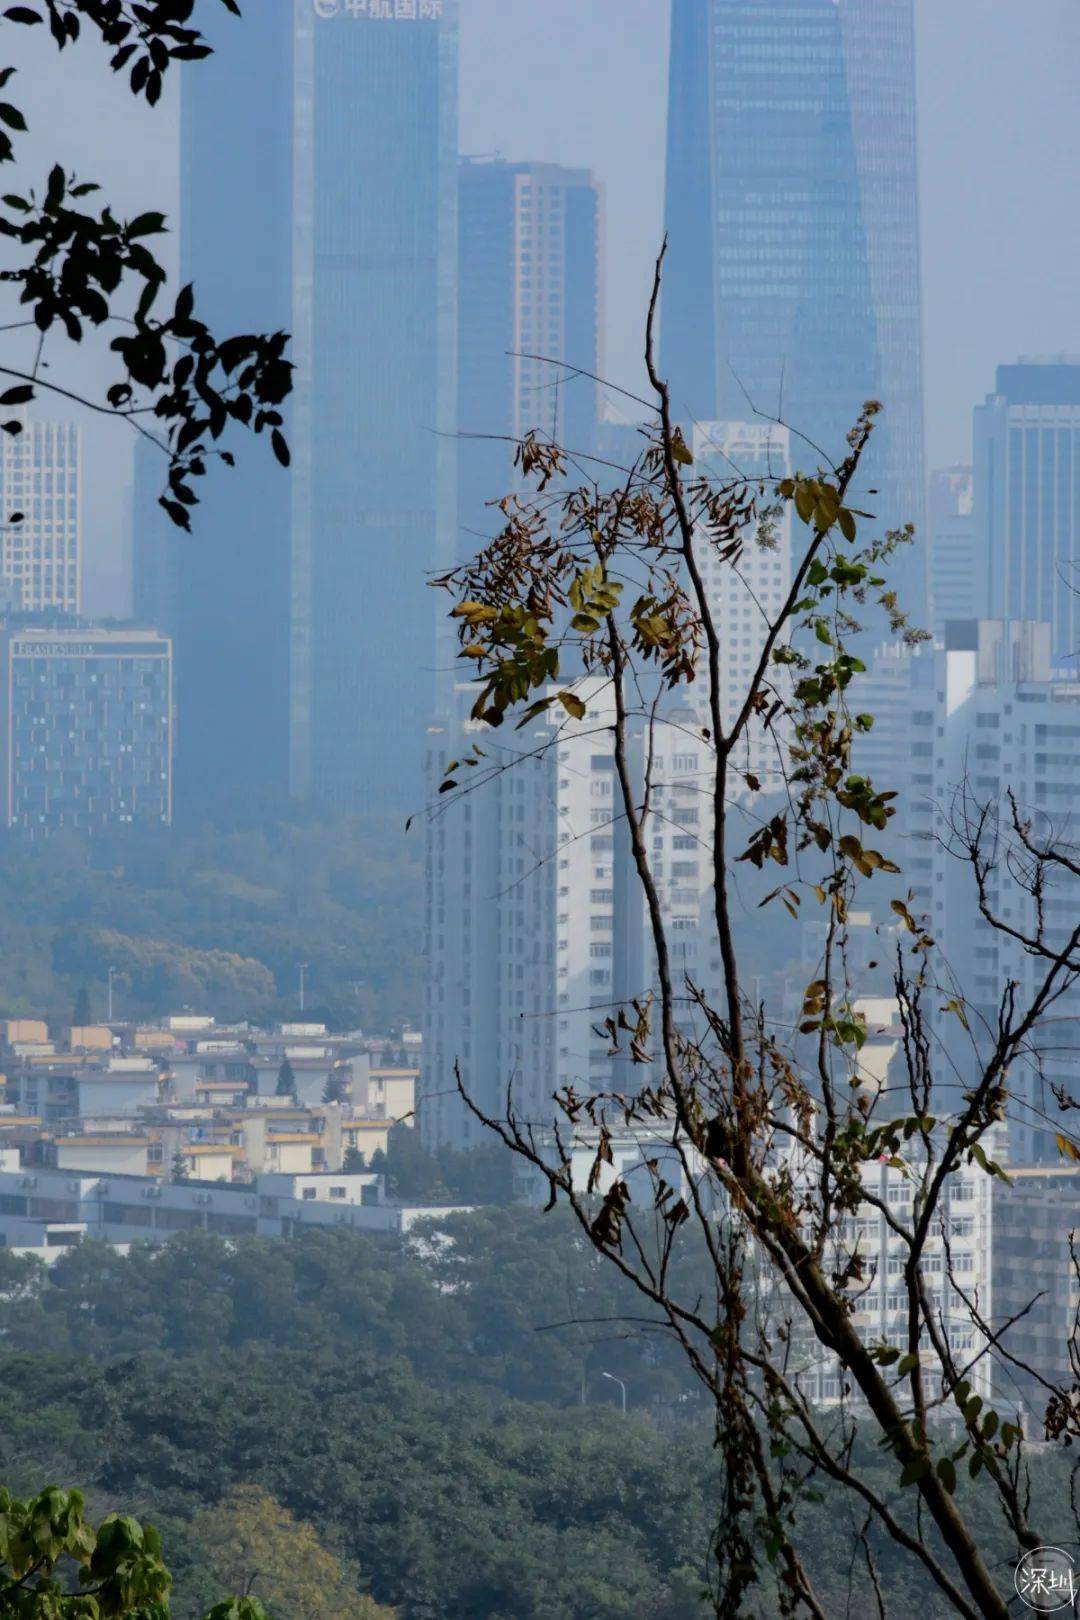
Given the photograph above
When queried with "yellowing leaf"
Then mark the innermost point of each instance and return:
(680, 450)
(955, 1006)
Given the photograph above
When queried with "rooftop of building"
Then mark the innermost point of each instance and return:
(297, 1062)
(113, 1077)
(102, 1139)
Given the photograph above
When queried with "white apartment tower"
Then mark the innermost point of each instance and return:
(41, 555)
(537, 927)
(746, 595)
(1004, 724)
(523, 950)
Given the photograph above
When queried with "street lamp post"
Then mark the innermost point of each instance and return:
(303, 970)
(622, 1387)
(112, 970)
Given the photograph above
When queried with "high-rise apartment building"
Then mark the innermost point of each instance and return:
(956, 575)
(318, 154)
(527, 917)
(1027, 499)
(792, 278)
(530, 240)
(537, 925)
(41, 556)
(1000, 1242)
(747, 593)
(1005, 725)
(897, 754)
(85, 728)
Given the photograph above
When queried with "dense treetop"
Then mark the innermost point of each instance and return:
(408, 1417)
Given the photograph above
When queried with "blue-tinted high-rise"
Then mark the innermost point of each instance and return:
(792, 282)
(228, 582)
(1027, 500)
(375, 300)
(318, 157)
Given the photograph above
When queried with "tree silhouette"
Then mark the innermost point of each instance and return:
(82, 1014)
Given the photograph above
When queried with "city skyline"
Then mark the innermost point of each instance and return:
(698, 862)
(991, 95)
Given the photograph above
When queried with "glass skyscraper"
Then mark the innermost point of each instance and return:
(230, 577)
(375, 266)
(318, 183)
(792, 281)
(1027, 500)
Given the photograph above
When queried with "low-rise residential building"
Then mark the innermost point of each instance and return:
(45, 1210)
(199, 1100)
(122, 1152)
(291, 1152)
(90, 1038)
(388, 1094)
(23, 1029)
(121, 1086)
(207, 1161)
(365, 1137)
(47, 1088)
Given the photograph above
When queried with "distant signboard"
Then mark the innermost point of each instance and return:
(88, 649)
(381, 10)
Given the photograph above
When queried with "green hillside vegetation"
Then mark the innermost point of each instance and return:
(410, 1417)
(216, 921)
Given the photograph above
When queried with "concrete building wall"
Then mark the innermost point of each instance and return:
(125, 1155)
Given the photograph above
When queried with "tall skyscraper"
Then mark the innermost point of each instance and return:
(232, 579)
(792, 281)
(318, 154)
(41, 556)
(375, 309)
(157, 546)
(1027, 499)
(530, 244)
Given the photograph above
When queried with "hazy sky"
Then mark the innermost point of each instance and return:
(584, 82)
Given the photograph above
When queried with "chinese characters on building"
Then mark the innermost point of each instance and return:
(382, 10)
